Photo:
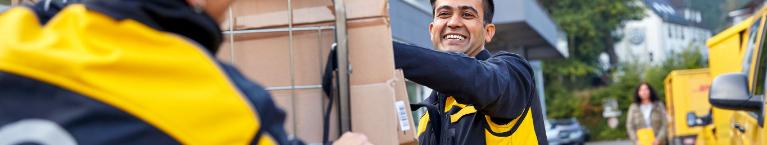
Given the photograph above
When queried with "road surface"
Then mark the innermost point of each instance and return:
(620, 142)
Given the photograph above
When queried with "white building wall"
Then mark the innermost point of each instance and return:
(639, 39)
(651, 40)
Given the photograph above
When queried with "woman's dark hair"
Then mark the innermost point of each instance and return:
(653, 96)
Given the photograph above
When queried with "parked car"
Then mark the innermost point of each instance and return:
(566, 132)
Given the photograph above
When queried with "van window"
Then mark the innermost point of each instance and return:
(759, 70)
(759, 67)
(757, 89)
(751, 43)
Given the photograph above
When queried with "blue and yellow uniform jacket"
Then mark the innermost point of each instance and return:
(125, 72)
(482, 100)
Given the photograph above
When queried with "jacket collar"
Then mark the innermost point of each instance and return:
(174, 16)
(483, 55)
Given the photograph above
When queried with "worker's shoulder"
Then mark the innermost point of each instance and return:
(242, 83)
(508, 56)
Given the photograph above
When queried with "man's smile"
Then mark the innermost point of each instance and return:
(455, 39)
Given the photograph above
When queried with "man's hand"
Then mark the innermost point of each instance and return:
(350, 138)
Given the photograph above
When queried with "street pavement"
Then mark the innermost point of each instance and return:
(619, 142)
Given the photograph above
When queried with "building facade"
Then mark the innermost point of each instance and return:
(663, 32)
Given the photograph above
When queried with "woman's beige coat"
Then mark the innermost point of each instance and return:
(658, 121)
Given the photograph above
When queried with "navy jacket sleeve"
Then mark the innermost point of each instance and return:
(500, 86)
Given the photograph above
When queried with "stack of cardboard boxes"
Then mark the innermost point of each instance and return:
(288, 57)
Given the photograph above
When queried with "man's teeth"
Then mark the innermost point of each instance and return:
(459, 37)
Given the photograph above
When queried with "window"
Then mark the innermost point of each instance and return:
(674, 33)
(668, 28)
(681, 32)
(759, 77)
(747, 59)
(759, 69)
(650, 56)
(750, 46)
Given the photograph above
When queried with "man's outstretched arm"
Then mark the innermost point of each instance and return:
(500, 86)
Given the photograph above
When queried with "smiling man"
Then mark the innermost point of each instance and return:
(479, 98)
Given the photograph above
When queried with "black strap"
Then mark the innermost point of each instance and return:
(330, 67)
(327, 87)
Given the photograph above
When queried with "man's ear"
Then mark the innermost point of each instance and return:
(431, 27)
(489, 32)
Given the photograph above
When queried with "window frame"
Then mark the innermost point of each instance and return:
(756, 76)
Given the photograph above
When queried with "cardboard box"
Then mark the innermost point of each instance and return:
(266, 59)
(252, 14)
(407, 129)
(371, 116)
(278, 60)
(305, 109)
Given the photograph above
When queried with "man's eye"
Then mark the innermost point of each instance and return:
(442, 14)
(468, 15)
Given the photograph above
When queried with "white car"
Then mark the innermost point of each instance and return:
(565, 131)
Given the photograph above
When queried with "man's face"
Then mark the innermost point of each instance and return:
(458, 26)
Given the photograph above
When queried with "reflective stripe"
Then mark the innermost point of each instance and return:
(266, 139)
(495, 134)
(463, 112)
(524, 135)
(37, 131)
(501, 128)
(422, 123)
(450, 102)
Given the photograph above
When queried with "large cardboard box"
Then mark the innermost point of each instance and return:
(279, 60)
(249, 14)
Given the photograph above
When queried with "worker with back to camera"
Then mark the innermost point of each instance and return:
(128, 72)
(478, 98)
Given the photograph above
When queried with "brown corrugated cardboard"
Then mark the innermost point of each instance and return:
(252, 14)
(260, 51)
(378, 95)
(266, 58)
(382, 111)
(306, 121)
(406, 127)
(372, 112)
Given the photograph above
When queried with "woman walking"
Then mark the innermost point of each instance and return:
(647, 122)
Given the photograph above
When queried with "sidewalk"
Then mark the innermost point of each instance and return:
(619, 142)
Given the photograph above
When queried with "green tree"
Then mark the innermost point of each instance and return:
(586, 104)
(589, 26)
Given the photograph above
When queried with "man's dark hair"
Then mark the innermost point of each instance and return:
(487, 5)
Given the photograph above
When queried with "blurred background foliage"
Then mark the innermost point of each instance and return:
(577, 86)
